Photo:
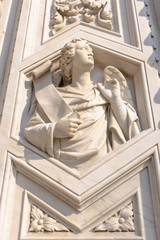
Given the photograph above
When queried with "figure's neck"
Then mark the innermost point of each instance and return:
(81, 81)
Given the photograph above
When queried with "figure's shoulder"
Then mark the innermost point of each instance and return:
(66, 88)
(66, 91)
(99, 95)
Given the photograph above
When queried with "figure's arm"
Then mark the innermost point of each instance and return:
(124, 113)
(40, 132)
(126, 117)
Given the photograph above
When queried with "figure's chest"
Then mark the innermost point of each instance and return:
(90, 106)
(80, 102)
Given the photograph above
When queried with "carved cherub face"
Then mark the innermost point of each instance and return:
(57, 19)
(83, 57)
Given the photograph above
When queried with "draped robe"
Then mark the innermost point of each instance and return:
(98, 134)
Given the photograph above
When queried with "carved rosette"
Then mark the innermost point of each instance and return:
(41, 222)
(66, 12)
(122, 221)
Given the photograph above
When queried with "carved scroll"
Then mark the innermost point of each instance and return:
(66, 12)
(41, 222)
(122, 221)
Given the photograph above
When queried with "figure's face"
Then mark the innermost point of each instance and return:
(57, 19)
(83, 57)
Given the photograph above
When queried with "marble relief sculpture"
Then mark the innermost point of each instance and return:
(66, 12)
(41, 222)
(76, 120)
(122, 221)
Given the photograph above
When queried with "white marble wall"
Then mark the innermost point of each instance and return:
(121, 189)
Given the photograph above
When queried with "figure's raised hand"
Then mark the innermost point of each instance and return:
(66, 127)
(111, 90)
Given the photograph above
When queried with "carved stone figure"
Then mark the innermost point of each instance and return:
(91, 11)
(79, 121)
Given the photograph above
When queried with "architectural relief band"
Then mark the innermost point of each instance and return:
(66, 12)
(122, 221)
(75, 120)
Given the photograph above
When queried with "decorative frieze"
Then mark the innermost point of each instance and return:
(66, 12)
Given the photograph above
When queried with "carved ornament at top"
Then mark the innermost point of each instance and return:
(66, 12)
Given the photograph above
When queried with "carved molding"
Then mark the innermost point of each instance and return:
(41, 222)
(153, 35)
(66, 12)
(122, 221)
(0, 8)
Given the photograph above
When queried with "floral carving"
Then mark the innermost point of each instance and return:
(66, 12)
(122, 221)
(41, 222)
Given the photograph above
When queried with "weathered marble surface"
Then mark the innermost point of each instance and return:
(121, 188)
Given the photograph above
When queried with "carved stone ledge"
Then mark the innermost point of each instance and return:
(122, 221)
(41, 222)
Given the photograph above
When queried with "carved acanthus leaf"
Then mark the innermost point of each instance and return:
(69, 11)
(40, 222)
(122, 221)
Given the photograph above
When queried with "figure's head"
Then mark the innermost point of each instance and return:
(76, 54)
(57, 19)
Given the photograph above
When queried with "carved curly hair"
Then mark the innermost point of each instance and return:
(67, 54)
